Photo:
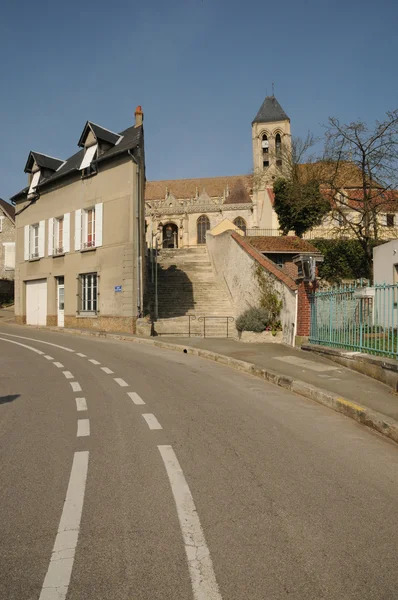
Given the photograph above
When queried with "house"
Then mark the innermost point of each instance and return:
(282, 250)
(385, 263)
(179, 212)
(80, 233)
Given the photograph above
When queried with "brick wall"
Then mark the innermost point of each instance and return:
(305, 289)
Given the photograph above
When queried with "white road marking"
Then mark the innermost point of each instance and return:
(59, 365)
(107, 370)
(81, 404)
(39, 341)
(121, 382)
(306, 364)
(203, 579)
(68, 374)
(56, 582)
(23, 345)
(75, 386)
(152, 421)
(83, 427)
(48, 357)
(80, 354)
(135, 398)
(95, 362)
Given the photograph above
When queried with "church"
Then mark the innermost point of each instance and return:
(179, 212)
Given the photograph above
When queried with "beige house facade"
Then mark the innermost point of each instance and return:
(80, 235)
(7, 240)
(180, 212)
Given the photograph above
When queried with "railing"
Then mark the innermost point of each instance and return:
(363, 319)
(262, 232)
(206, 331)
(209, 318)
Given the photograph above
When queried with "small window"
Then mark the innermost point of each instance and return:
(34, 241)
(88, 228)
(265, 164)
(390, 218)
(278, 145)
(88, 158)
(241, 223)
(264, 144)
(279, 162)
(88, 295)
(1, 223)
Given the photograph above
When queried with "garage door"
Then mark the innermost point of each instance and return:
(36, 302)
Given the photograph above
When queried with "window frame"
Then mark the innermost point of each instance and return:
(34, 241)
(390, 217)
(57, 247)
(87, 244)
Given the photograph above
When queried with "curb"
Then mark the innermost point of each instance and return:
(361, 414)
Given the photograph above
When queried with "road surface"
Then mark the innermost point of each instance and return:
(133, 473)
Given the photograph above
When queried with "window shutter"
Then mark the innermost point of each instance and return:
(78, 229)
(42, 228)
(67, 232)
(50, 237)
(26, 249)
(98, 224)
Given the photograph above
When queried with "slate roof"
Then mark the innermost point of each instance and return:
(42, 160)
(239, 194)
(187, 188)
(282, 244)
(8, 209)
(131, 138)
(270, 111)
(100, 133)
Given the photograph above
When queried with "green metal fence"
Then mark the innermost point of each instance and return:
(354, 317)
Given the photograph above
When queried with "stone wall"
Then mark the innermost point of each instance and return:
(234, 261)
(7, 235)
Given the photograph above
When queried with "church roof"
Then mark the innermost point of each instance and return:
(189, 188)
(270, 111)
(239, 194)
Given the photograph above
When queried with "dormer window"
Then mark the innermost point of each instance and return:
(88, 158)
(34, 182)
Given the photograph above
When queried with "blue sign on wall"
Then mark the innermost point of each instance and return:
(118, 288)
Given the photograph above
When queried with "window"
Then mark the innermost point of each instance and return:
(264, 144)
(202, 225)
(88, 228)
(279, 162)
(34, 182)
(9, 256)
(278, 259)
(34, 241)
(241, 223)
(390, 220)
(59, 235)
(1, 224)
(278, 145)
(88, 158)
(88, 292)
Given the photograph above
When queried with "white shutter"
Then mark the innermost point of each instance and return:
(34, 182)
(50, 237)
(26, 249)
(88, 157)
(98, 224)
(42, 228)
(9, 256)
(67, 232)
(78, 229)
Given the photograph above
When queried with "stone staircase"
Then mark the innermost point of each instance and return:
(187, 288)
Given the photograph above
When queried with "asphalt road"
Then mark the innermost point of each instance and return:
(179, 478)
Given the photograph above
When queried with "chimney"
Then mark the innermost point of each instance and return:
(139, 116)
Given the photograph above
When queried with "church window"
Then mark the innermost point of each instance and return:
(264, 144)
(241, 223)
(265, 163)
(202, 225)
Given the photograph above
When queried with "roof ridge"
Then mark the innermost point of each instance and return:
(46, 155)
(104, 128)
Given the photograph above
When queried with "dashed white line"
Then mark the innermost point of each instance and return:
(75, 386)
(135, 398)
(121, 382)
(68, 374)
(56, 582)
(80, 354)
(203, 579)
(152, 421)
(48, 357)
(81, 404)
(95, 362)
(107, 370)
(59, 365)
(83, 427)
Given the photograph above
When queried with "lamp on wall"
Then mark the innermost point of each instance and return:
(306, 265)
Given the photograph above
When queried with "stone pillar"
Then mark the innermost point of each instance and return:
(304, 293)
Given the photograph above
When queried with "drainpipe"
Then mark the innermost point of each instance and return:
(138, 237)
(295, 319)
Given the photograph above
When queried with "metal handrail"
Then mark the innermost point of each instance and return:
(203, 320)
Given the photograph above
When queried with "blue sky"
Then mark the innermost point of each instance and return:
(199, 68)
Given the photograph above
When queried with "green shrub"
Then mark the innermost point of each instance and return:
(253, 319)
(344, 259)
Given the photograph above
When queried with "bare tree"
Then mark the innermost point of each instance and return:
(360, 171)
